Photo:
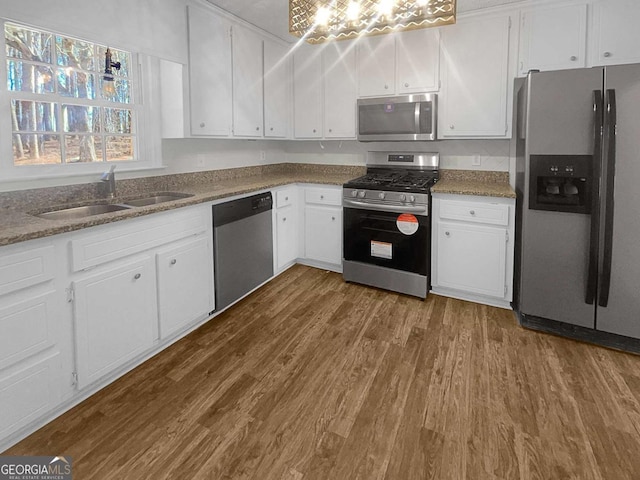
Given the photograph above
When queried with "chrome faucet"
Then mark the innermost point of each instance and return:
(109, 178)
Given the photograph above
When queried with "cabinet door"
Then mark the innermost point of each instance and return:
(307, 92)
(615, 32)
(115, 316)
(339, 91)
(376, 66)
(277, 85)
(553, 38)
(418, 57)
(185, 284)
(471, 258)
(474, 78)
(247, 82)
(286, 236)
(323, 234)
(210, 73)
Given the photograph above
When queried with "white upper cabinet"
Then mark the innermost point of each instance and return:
(418, 61)
(475, 78)
(277, 88)
(616, 36)
(339, 91)
(553, 38)
(210, 73)
(247, 82)
(376, 66)
(307, 92)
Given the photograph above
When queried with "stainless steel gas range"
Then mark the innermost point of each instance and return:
(387, 230)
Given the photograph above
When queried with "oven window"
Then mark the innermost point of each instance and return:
(390, 240)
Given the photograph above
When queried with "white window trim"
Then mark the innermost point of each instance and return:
(147, 145)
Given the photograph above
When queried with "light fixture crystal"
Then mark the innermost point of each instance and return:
(318, 21)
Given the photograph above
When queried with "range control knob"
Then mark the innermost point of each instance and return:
(354, 193)
(361, 193)
(381, 195)
(412, 198)
(403, 198)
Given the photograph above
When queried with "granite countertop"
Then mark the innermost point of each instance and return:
(467, 182)
(19, 225)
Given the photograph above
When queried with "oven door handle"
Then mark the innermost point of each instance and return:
(386, 208)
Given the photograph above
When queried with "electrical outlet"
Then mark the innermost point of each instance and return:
(263, 155)
(476, 162)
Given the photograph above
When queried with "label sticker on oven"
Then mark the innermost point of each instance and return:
(407, 223)
(381, 249)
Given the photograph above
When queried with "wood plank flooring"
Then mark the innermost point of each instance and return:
(312, 378)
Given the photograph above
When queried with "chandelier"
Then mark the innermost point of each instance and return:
(318, 21)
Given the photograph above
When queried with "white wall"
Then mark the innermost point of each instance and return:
(154, 27)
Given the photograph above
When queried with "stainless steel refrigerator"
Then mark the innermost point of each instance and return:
(578, 185)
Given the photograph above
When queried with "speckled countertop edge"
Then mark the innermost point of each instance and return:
(16, 225)
(469, 187)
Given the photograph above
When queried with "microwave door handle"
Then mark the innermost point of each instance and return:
(417, 118)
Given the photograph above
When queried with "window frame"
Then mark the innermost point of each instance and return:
(145, 155)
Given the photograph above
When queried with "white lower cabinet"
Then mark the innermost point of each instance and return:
(185, 284)
(115, 318)
(323, 227)
(31, 377)
(286, 229)
(472, 248)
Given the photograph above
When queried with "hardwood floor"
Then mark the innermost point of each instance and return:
(313, 378)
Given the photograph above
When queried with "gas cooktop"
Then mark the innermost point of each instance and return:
(395, 181)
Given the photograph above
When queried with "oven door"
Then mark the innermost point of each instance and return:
(399, 241)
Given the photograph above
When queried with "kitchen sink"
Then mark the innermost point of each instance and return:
(81, 212)
(157, 198)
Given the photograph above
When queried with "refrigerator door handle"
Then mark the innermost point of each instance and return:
(592, 278)
(610, 163)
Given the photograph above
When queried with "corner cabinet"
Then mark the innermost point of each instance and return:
(210, 75)
(475, 79)
(473, 248)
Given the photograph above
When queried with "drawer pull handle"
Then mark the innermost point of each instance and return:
(174, 261)
(472, 212)
(137, 276)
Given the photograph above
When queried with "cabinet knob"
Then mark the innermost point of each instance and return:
(573, 58)
(406, 85)
(286, 199)
(271, 129)
(284, 219)
(321, 197)
(386, 87)
(452, 127)
(447, 234)
(257, 129)
(472, 212)
(606, 54)
(314, 130)
(333, 219)
(137, 276)
(202, 125)
(174, 261)
(330, 130)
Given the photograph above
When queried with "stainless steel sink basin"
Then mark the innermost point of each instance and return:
(158, 198)
(81, 212)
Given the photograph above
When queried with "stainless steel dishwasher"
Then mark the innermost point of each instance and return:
(242, 246)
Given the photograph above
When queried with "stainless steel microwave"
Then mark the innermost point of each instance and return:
(411, 117)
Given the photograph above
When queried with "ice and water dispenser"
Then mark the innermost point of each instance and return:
(560, 183)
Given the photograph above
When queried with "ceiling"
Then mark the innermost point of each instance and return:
(273, 15)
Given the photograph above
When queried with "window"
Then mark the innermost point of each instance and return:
(63, 111)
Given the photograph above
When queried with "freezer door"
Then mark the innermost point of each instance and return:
(619, 280)
(555, 246)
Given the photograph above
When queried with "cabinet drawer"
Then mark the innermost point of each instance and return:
(489, 213)
(26, 329)
(25, 269)
(285, 197)
(323, 196)
(116, 241)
